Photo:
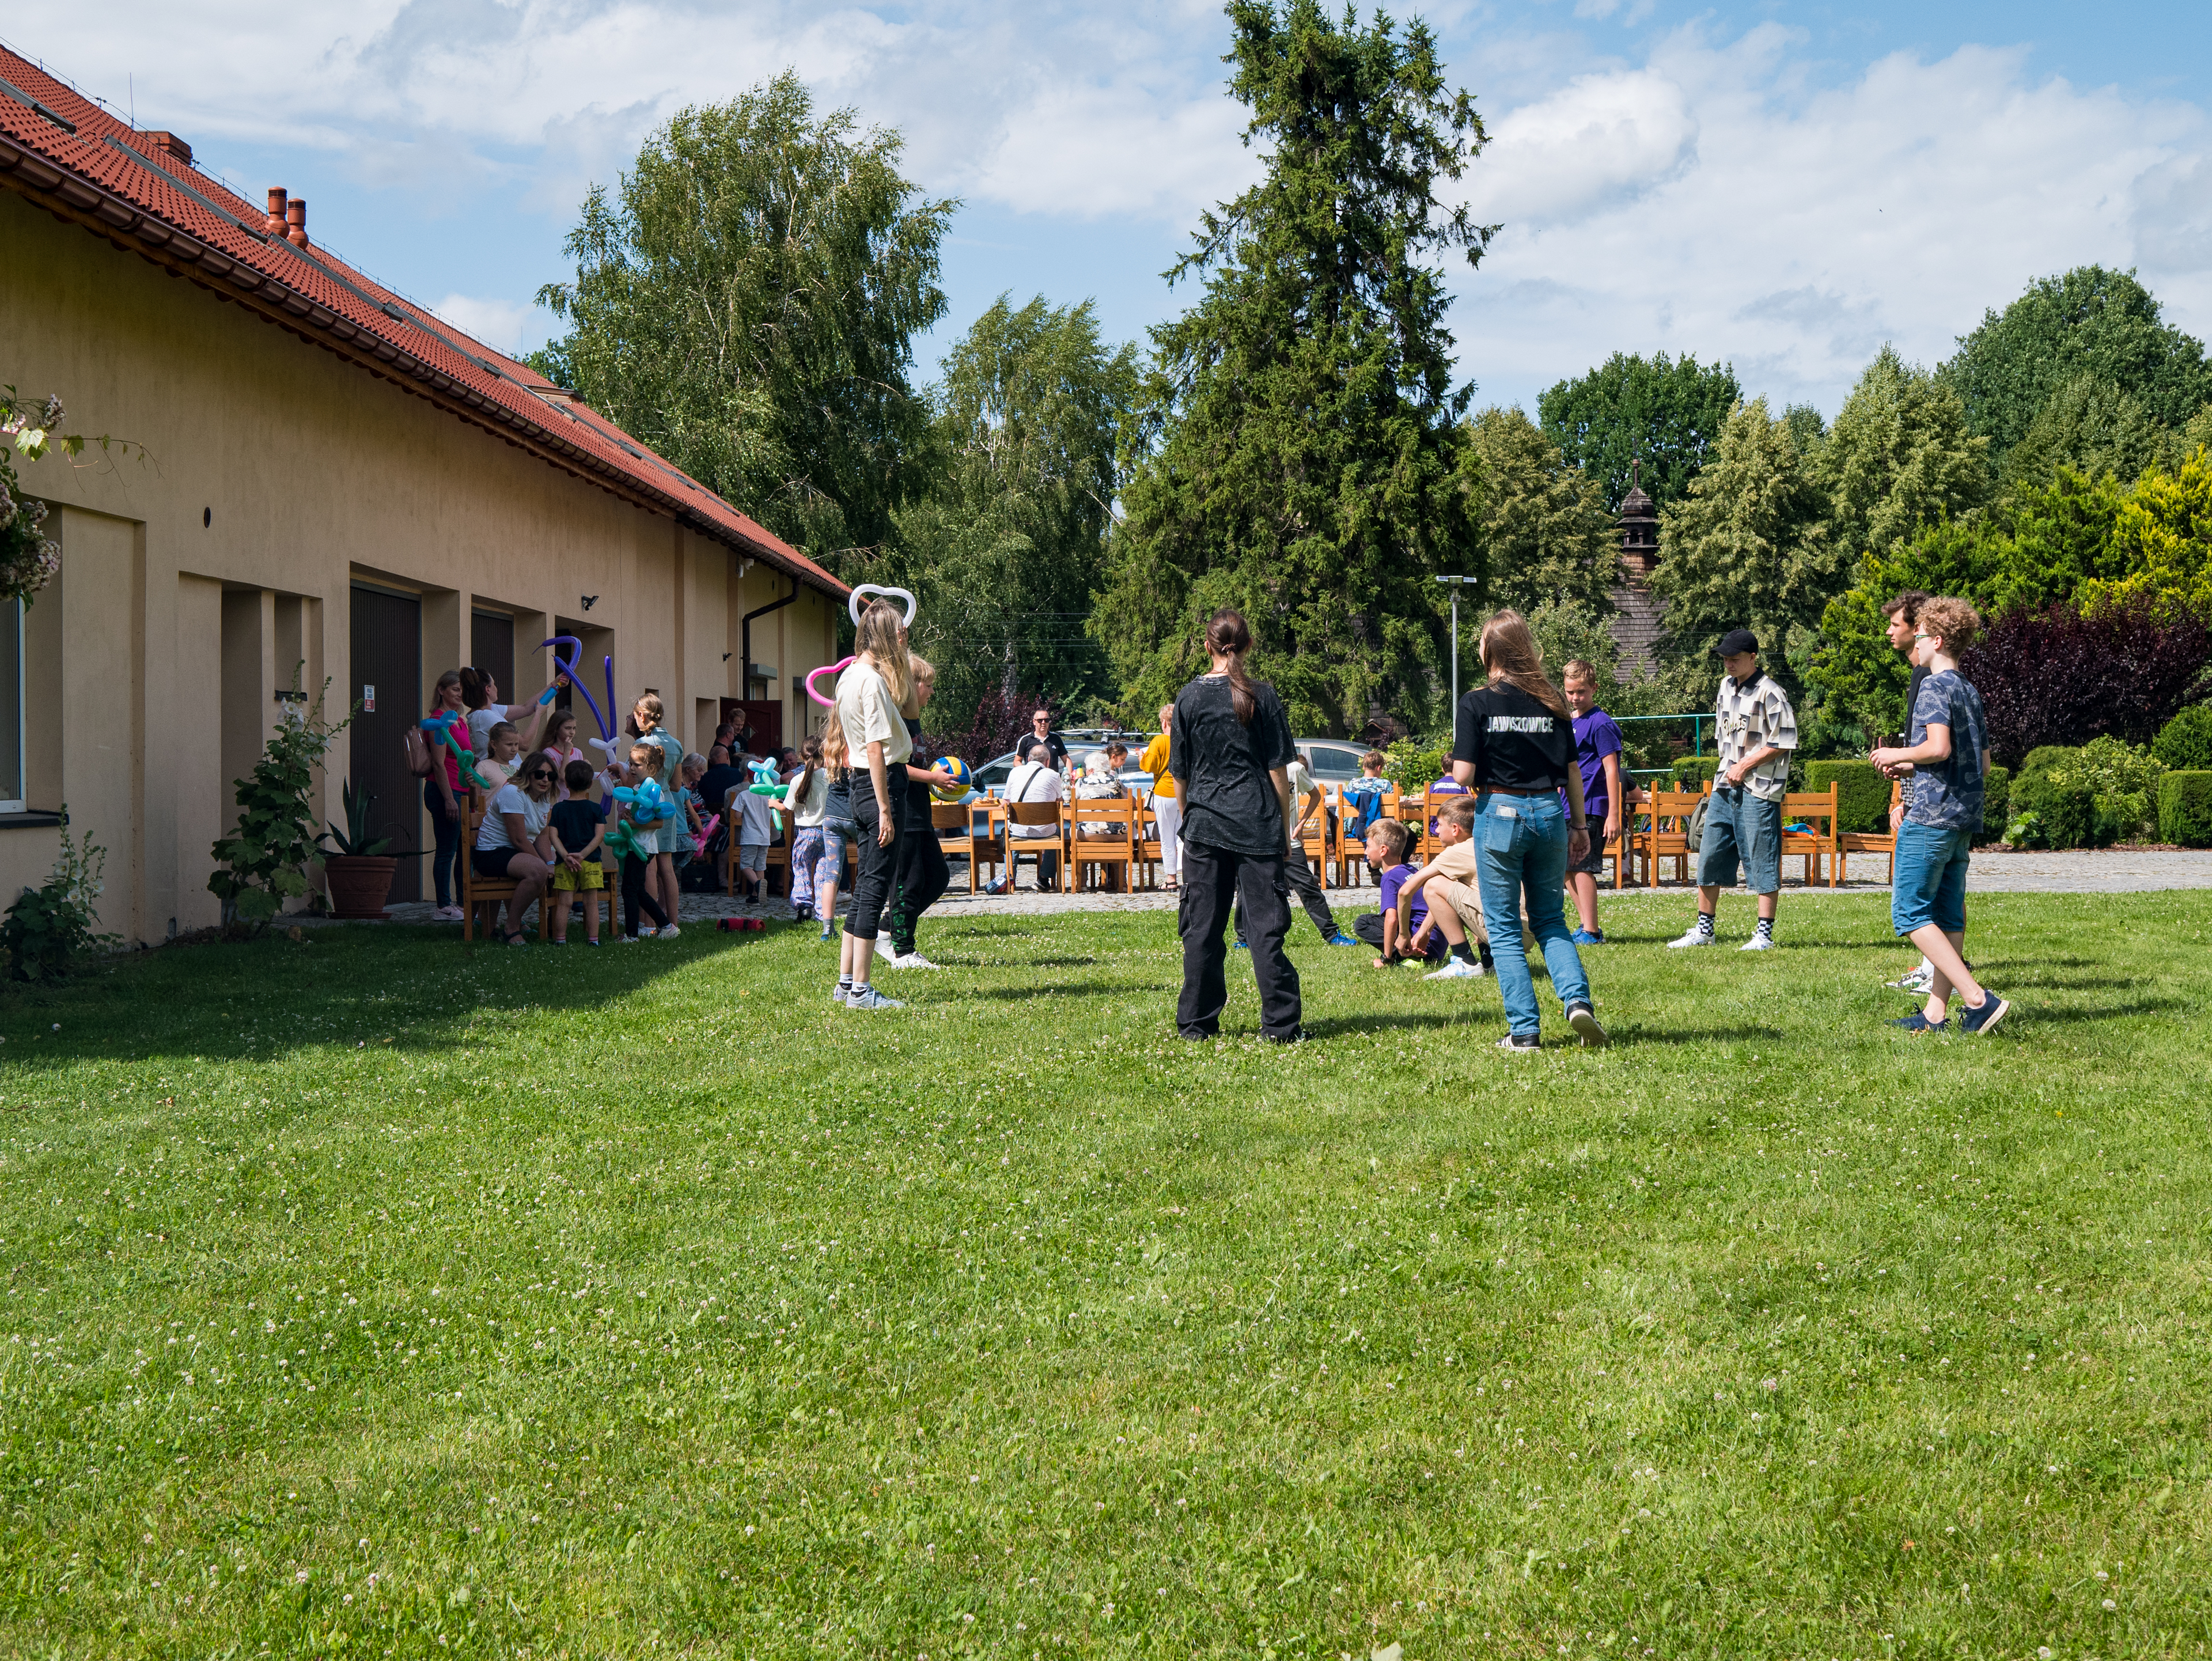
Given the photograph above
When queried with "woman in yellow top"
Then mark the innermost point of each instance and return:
(1167, 807)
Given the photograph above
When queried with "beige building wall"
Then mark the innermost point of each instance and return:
(269, 475)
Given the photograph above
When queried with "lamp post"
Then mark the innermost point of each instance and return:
(1457, 583)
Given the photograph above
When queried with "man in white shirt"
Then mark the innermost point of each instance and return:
(1034, 780)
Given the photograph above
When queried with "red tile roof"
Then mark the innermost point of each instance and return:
(77, 160)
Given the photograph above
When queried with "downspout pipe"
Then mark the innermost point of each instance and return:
(745, 684)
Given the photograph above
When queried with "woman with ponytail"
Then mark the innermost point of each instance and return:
(1513, 744)
(869, 696)
(1229, 750)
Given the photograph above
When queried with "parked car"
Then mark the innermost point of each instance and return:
(1331, 761)
(991, 777)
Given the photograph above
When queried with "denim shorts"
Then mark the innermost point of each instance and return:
(1741, 826)
(1930, 885)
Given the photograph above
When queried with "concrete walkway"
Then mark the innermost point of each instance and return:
(2112, 871)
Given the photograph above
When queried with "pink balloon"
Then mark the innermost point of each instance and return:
(836, 668)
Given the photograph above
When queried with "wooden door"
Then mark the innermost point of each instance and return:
(387, 670)
(491, 648)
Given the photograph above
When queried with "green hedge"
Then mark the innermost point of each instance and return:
(2184, 742)
(1862, 798)
(1692, 771)
(1997, 804)
(2184, 808)
(2064, 818)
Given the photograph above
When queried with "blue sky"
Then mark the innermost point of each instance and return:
(1785, 186)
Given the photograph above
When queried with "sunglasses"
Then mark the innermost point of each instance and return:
(541, 773)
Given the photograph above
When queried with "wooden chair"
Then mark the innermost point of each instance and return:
(1314, 836)
(1033, 813)
(778, 853)
(1425, 845)
(1087, 853)
(484, 890)
(1635, 808)
(1873, 841)
(955, 824)
(1666, 833)
(1820, 809)
(1351, 850)
(1150, 852)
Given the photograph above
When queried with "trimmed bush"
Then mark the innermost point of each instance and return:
(1863, 795)
(1693, 772)
(1996, 799)
(2184, 808)
(2051, 816)
(2184, 744)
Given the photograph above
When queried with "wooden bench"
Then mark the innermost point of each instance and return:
(1666, 833)
(485, 891)
(1822, 810)
(1873, 841)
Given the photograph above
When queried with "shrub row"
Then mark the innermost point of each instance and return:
(2088, 797)
(2184, 808)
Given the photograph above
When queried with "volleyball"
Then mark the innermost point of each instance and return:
(962, 784)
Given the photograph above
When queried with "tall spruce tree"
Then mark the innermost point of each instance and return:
(1297, 453)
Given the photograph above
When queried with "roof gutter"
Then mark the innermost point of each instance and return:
(83, 202)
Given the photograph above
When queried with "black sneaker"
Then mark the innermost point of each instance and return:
(1584, 1019)
(1514, 1043)
(1992, 1011)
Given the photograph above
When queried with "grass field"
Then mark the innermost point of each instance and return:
(374, 1295)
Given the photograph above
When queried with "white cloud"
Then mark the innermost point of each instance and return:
(1710, 196)
(1710, 202)
(502, 325)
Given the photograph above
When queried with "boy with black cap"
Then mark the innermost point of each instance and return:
(1757, 731)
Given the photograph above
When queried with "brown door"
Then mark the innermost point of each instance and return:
(491, 648)
(387, 668)
(767, 721)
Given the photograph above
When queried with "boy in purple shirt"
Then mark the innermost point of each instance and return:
(1597, 749)
(1388, 842)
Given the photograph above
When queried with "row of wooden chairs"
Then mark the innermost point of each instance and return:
(1125, 837)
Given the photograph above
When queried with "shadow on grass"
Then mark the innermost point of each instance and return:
(1623, 1034)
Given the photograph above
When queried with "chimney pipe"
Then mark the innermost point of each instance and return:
(297, 211)
(275, 223)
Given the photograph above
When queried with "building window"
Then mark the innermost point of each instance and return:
(11, 707)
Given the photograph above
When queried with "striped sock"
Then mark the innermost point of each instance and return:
(1767, 928)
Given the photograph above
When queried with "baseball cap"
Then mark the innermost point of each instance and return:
(1737, 640)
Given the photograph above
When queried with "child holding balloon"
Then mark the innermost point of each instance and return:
(642, 838)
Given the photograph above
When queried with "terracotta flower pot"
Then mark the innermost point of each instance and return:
(359, 883)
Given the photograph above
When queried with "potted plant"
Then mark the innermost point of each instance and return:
(359, 873)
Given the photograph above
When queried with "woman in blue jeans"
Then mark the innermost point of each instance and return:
(1513, 744)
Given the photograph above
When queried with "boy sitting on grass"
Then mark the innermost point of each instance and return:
(1928, 898)
(1387, 844)
(1454, 905)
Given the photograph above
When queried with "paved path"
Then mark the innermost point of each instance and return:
(2107, 871)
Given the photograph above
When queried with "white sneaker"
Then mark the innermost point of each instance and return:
(1697, 936)
(912, 960)
(670, 931)
(871, 999)
(1914, 981)
(1458, 968)
(840, 993)
(449, 914)
(1757, 943)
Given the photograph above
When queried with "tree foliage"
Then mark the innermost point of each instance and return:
(2091, 426)
(1008, 546)
(1899, 457)
(1748, 546)
(1542, 523)
(1296, 452)
(1666, 413)
(2089, 321)
(2066, 674)
(746, 304)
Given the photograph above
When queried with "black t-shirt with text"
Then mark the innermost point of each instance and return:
(1513, 739)
(1221, 766)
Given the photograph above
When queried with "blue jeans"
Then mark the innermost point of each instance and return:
(1740, 825)
(1930, 885)
(1521, 847)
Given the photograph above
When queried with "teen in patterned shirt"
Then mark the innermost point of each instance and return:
(1758, 730)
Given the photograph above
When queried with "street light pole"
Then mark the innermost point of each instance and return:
(1458, 582)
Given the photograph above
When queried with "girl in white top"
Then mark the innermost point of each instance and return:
(869, 695)
(817, 855)
(480, 692)
(510, 841)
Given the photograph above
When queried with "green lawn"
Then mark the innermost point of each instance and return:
(376, 1296)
